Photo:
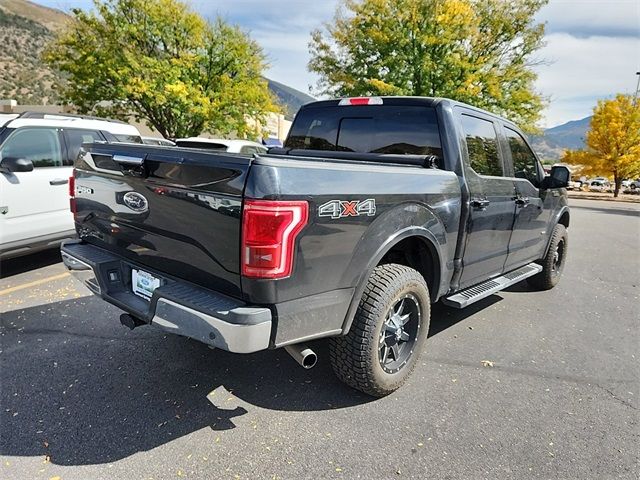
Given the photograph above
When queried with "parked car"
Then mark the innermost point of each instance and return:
(272, 142)
(158, 141)
(36, 160)
(222, 145)
(631, 186)
(599, 185)
(574, 185)
(374, 209)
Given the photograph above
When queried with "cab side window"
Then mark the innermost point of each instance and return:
(40, 145)
(525, 164)
(75, 139)
(482, 145)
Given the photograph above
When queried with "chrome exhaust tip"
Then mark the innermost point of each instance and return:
(130, 321)
(302, 354)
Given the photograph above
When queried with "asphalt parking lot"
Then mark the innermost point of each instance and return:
(82, 397)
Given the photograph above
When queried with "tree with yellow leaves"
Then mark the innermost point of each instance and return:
(475, 51)
(612, 142)
(160, 62)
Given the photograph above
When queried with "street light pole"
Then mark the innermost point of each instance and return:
(635, 99)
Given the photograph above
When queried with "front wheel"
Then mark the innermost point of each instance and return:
(553, 263)
(388, 332)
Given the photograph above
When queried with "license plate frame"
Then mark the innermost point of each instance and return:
(143, 284)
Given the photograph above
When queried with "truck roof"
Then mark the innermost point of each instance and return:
(68, 121)
(375, 100)
(401, 101)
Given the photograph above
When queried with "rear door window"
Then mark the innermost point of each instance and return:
(482, 146)
(75, 139)
(381, 129)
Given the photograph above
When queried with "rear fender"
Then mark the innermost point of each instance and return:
(400, 223)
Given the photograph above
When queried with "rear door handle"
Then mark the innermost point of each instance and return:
(522, 201)
(480, 203)
(59, 181)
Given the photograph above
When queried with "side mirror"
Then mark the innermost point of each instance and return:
(11, 164)
(558, 178)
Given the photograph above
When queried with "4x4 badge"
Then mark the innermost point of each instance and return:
(347, 208)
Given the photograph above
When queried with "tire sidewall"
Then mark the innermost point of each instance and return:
(559, 235)
(391, 381)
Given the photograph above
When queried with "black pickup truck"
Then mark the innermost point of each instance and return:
(374, 209)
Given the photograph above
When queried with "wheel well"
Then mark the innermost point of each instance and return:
(420, 255)
(564, 219)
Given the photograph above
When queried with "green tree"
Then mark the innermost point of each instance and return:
(474, 51)
(612, 142)
(158, 61)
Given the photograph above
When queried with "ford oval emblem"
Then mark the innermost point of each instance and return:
(136, 202)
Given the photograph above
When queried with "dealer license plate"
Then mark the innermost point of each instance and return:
(143, 284)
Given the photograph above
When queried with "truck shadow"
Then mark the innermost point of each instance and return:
(443, 317)
(79, 387)
(25, 263)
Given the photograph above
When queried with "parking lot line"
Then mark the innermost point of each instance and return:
(6, 291)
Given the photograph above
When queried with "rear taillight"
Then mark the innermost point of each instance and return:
(72, 194)
(269, 230)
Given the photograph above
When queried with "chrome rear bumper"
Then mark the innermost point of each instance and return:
(176, 307)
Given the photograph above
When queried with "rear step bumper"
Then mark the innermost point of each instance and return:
(176, 306)
(483, 290)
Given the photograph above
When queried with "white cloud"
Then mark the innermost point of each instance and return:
(582, 70)
(283, 30)
(593, 45)
(592, 17)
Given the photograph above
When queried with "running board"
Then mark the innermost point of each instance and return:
(483, 290)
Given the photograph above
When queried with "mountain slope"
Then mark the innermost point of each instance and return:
(26, 28)
(554, 141)
(24, 32)
(290, 98)
(49, 18)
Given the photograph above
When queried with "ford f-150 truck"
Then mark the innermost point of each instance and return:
(374, 209)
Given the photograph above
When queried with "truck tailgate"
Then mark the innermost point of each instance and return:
(172, 210)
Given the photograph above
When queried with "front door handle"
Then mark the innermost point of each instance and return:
(522, 201)
(59, 181)
(480, 203)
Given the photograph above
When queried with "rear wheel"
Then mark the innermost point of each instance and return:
(388, 332)
(553, 262)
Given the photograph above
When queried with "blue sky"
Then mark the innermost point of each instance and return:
(592, 46)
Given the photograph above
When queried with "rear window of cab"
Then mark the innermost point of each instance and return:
(381, 129)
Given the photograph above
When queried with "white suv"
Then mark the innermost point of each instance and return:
(36, 160)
